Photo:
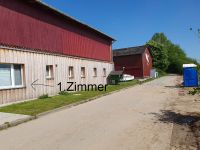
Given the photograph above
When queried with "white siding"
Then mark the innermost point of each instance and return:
(35, 68)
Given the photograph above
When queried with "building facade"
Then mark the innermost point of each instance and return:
(41, 47)
(136, 61)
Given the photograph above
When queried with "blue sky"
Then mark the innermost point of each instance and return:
(133, 22)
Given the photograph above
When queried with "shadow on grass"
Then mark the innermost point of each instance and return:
(168, 116)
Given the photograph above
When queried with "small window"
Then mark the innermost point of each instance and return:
(104, 72)
(82, 72)
(71, 72)
(11, 75)
(49, 71)
(18, 74)
(95, 72)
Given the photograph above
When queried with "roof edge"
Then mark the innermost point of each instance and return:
(129, 47)
(71, 18)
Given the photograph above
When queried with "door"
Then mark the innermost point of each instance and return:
(190, 77)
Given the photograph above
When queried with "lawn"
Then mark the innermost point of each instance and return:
(38, 106)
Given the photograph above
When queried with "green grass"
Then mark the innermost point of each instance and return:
(38, 106)
(44, 96)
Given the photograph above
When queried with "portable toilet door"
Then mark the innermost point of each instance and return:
(190, 75)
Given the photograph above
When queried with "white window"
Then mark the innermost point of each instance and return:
(49, 71)
(82, 72)
(71, 72)
(104, 72)
(95, 72)
(11, 75)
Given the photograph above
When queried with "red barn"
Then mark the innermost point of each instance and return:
(33, 25)
(41, 46)
(136, 61)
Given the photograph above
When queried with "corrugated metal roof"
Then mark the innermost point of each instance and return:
(129, 51)
(46, 6)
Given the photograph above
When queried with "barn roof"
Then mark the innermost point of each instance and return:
(65, 16)
(129, 51)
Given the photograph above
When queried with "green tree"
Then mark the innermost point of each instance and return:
(177, 58)
(161, 39)
(159, 55)
(168, 56)
(198, 68)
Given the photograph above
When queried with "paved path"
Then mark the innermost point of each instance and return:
(121, 121)
(8, 117)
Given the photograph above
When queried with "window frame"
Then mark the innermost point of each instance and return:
(94, 72)
(84, 72)
(104, 72)
(71, 72)
(12, 75)
(50, 72)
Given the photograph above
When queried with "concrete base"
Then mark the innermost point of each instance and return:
(9, 120)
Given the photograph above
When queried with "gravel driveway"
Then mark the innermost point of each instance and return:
(121, 121)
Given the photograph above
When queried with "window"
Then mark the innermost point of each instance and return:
(82, 72)
(18, 74)
(49, 71)
(71, 72)
(95, 72)
(11, 75)
(104, 72)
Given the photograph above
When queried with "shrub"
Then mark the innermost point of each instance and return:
(44, 96)
(161, 72)
(63, 93)
(194, 91)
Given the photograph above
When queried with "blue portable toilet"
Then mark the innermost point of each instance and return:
(190, 75)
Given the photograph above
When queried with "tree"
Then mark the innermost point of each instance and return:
(159, 55)
(177, 58)
(198, 68)
(161, 39)
(168, 56)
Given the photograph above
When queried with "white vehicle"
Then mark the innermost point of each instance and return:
(127, 77)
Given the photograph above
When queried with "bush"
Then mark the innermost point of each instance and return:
(198, 69)
(161, 72)
(63, 93)
(194, 91)
(44, 96)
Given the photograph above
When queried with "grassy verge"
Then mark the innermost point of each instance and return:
(38, 106)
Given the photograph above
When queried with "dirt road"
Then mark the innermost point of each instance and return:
(122, 121)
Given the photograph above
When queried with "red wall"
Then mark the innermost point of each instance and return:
(147, 66)
(25, 25)
(132, 63)
(135, 65)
